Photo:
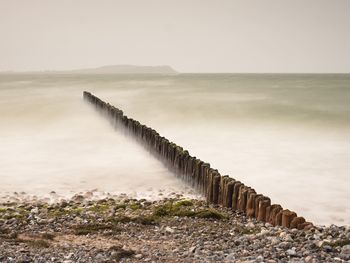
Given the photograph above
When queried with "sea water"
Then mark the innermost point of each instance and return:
(287, 136)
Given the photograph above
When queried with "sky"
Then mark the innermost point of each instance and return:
(259, 36)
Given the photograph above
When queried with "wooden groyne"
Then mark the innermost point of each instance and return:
(218, 189)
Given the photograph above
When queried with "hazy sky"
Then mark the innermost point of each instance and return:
(191, 36)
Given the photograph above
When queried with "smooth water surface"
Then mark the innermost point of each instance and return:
(287, 136)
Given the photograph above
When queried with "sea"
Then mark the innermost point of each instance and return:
(285, 135)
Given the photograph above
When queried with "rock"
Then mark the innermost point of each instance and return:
(327, 249)
(69, 256)
(100, 257)
(284, 245)
(291, 252)
(283, 234)
(274, 241)
(169, 230)
(192, 249)
(288, 238)
(230, 257)
(320, 243)
(250, 225)
(35, 210)
(138, 256)
(78, 198)
(260, 258)
(345, 250)
(309, 259)
(264, 232)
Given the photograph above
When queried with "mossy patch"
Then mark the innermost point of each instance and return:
(141, 219)
(59, 212)
(170, 209)
(338, 243)
(241, 230)
(135, 206)
(210, 213)
(183, 203)
(120, 206)
(16, 213)
(162, 210)
(100, 208)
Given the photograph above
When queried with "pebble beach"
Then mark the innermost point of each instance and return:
(171, 229)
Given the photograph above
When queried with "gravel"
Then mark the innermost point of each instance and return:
(122, 229)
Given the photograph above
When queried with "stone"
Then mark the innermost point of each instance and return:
(69, 256)
(138, 256)
(100, 257)
(260, 258)
(291, 252)
(309, 259)
(250, 225)
(288, 238)
(327, 249)
(230, 257)
(284, 245)
(192, 249)
(264, 232)
(169, 230)
(274, 241)
(345, 250)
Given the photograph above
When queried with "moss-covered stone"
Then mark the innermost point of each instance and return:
(170, 209)
(64, 211)
(184, 202)
(100, 208)
(140, 219)
(120, 206)
(135, 206)
(338, 243)
(242, 230)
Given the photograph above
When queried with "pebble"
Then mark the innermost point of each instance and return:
(138, 256)
(291, 252)
(192, 249)
(169, 230)
(345, 250)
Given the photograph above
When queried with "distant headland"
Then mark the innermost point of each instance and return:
(110, 69)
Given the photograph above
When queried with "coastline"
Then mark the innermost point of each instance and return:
(124, 229)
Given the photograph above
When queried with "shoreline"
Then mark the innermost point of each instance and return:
(124, 229)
